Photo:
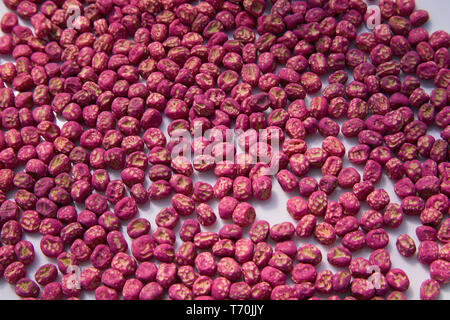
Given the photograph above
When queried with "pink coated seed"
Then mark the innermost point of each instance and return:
(91, 75)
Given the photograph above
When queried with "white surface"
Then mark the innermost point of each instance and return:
(274, 210)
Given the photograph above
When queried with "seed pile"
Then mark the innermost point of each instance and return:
(110, 73)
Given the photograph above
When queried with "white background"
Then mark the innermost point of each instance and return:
(274, 210)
